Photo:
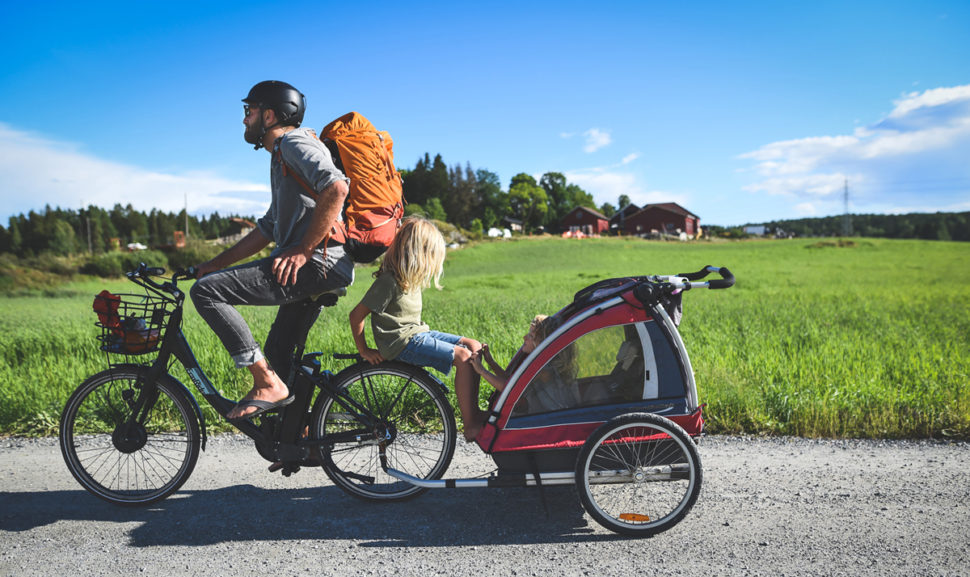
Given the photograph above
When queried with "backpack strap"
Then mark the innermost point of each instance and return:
(386, 157)
(336, 232)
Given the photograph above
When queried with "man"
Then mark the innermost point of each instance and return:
(305, 262)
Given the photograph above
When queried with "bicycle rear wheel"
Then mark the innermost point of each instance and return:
(638, 474)
(415, 424)
(129, 463)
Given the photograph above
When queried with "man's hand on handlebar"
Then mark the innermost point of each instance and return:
(204, 268)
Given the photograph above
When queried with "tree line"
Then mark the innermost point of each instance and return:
(471, 199)
(917, 225)
(96, 230)
(474, 199)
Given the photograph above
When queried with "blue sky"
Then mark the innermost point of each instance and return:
(741, 112)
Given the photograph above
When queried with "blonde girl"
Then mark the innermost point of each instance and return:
(412, 263)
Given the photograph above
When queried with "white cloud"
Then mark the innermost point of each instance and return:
(630, 158)
(811, 185)
(929, 99)
(608, 185)
(900, 161)
(596, 139)
(35, 172)
(805, 209)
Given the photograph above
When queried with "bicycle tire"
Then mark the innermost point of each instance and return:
(638, 474)
(142, 466)
(412, 407)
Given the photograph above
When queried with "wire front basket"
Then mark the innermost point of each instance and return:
(131, 324)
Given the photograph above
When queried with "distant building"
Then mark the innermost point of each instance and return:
(755, 230)
(240, 228)
(618, 220)
(585, 220)
(664, 219)
(513, 224)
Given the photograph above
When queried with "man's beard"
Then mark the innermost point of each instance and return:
(254, 132)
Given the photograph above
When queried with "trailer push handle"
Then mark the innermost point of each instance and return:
(726, 280)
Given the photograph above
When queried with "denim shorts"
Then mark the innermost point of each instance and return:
(431, 349)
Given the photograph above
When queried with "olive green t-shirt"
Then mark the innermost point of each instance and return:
(395, 315)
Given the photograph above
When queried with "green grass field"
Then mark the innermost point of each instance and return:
(867, 338)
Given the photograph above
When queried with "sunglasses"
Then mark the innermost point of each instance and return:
(247, 109)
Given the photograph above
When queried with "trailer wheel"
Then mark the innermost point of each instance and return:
(638, 474)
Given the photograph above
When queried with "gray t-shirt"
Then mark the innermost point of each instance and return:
(291, 208)
(395, 315)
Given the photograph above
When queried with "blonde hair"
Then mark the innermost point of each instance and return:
(540, 329)
(416, 256)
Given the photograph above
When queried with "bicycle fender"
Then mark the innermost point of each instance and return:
(195, 405)
(444, 388)
(405, 367)
(413, 368)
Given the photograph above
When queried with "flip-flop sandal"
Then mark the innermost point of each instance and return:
(261, 407)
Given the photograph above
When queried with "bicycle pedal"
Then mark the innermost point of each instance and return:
(287, 468)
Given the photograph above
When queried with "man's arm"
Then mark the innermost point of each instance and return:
(330, 202)
(248, 246)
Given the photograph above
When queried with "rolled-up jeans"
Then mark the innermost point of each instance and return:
(217, 294)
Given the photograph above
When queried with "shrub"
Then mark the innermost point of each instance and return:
(193, 253)
(113, 264)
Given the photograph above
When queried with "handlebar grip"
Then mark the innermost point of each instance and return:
(726, 280)
(190, 272)
(692, 276)
(154, 271)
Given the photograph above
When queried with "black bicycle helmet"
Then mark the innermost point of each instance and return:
(287, 102)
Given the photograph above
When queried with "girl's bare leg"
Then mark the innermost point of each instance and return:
(466, 389)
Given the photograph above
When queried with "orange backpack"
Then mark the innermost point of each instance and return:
(375, 203)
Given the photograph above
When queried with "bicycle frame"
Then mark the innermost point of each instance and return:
(289, 442)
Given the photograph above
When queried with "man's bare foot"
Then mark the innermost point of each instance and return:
(267, 387)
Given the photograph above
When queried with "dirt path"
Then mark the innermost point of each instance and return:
(768, 507)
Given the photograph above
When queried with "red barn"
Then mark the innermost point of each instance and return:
(668, 218)
(618, 220)
(585, 220)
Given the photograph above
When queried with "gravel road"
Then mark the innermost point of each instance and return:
(768, 507)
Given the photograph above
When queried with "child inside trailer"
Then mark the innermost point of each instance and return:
(558, 388)
(605, 366)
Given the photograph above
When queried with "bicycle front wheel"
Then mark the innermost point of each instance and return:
(410, 419)
(638, 474)
(129, 461)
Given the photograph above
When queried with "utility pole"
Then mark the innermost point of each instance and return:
(87, 221)
(846, 218)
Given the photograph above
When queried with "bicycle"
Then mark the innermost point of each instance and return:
(132, 434)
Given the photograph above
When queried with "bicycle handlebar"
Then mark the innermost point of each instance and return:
(726, 280)
(656, 287)
(144, 273)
